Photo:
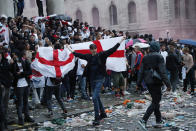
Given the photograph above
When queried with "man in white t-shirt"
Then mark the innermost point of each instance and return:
(82, 79)
(22, 71)
(163, 52)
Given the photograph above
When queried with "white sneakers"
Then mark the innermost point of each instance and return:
(126, 93)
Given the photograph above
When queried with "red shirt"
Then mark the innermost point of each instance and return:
(138, 60)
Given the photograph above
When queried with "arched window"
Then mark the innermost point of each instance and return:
(32, 3)
(113, 15)
(132, 12)
(177, 8)
(187, 7)
(152, 10)
(79, 15)
(95, 16)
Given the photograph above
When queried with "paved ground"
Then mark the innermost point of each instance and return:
(179, 112)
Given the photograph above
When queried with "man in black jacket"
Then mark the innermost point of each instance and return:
(154, 61)
(172, 64)
(22, 72)
(5, 83)
(96, 71)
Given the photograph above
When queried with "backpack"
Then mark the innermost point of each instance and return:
(151, 76)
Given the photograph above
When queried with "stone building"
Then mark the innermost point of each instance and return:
(178, 17)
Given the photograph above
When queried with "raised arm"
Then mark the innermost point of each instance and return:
(79, 55)
(113, 49)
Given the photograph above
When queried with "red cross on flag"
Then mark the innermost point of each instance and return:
(57, 63)
(115, 62)
(53, 63)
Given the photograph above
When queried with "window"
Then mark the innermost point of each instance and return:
(132, 12)
(152, 10)
(177, 8)
(32, 3)
(95, 16)
(113, 15)
(187, 13)
(79, 15)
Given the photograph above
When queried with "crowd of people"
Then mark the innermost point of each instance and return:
(20, 38)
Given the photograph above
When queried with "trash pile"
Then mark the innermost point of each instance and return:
(178, 111)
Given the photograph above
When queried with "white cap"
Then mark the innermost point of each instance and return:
(4, 16)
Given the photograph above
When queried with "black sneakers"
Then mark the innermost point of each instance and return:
(160, 124)
(20, 121)
(96, 122)
(28, 119)
(102, 116)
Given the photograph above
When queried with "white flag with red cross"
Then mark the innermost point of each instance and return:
(57, 63)
(116, 61)
(53, 63)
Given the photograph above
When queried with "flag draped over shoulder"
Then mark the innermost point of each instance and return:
(115, 62)
(53, 63)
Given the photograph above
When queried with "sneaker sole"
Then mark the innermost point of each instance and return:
(158, 126)
(143, 127)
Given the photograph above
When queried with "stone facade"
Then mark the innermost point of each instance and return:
(31, 9)
(179, 21)
(181, 27)
(6, 7)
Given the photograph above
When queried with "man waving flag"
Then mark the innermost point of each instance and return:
(115, 62)
(57, 63)
(96, 67)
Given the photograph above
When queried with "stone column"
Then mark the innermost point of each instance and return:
(7, 8)
(55, 7)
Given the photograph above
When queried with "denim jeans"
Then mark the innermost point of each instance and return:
(57, 92)
(37, 95)
(69, 84)
(22, 94)
(107, 82)
(20, 6)
(82, 85)
(174, 79)
(96, 87)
